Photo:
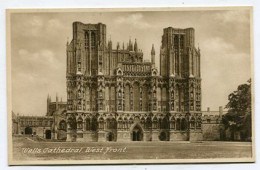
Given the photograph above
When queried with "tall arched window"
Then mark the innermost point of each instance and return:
(182, 42)
(86, 40)
(112, 98)
(127, 97)
(136, 98)
(176, 41)
(93, 40)
(180, 98)
(144, 99)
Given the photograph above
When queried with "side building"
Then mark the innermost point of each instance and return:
(51, 126)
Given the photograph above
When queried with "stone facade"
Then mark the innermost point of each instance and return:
(114, 95)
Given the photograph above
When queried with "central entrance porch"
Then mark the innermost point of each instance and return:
(137, 133)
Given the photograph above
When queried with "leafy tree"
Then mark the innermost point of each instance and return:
(238, 117)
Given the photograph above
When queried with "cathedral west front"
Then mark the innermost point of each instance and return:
(115, 95)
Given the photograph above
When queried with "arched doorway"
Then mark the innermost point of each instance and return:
(28, 130)
(163, 136)
(137, 134)
(110, 136)
(48, 134)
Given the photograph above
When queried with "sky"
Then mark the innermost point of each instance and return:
(38, 49)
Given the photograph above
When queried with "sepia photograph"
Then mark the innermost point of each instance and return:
(130, 85)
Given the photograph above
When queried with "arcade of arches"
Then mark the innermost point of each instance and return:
(133, 128)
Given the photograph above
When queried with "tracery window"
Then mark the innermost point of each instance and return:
(86, 40)
(93, 40)
(182, 42)
(176, 41)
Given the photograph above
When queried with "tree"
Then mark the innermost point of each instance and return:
(238, 117)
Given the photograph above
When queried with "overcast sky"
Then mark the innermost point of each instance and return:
(38, 50)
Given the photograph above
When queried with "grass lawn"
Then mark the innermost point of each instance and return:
(25, 149)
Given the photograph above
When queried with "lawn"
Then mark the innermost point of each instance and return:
(25, 149)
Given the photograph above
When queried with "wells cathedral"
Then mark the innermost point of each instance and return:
(115, 95)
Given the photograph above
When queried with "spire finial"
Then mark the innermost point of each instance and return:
(153, 55)
(153, 51)
(135, 45)
(118, 45)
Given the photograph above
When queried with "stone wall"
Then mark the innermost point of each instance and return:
(211, 132)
